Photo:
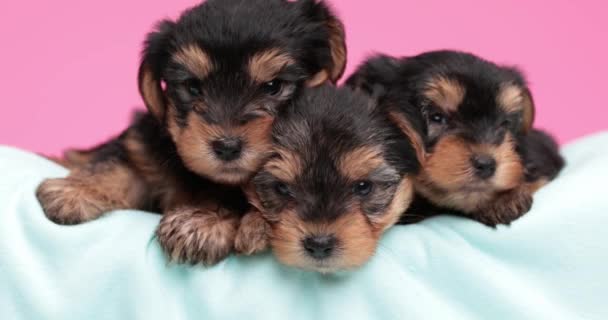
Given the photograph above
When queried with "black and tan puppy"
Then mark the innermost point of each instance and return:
(212, 82)
(474, 121)
(341, 173)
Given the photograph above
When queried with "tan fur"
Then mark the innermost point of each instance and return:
(446, 93)
(356, 241)
(529, 111)
(153, 173)
(317, 79)
(201, 233)
(449, 169)
(193, 144)
(360, 162)
(401, 201)
(286, 167)
(253, 233)
(85, 194)
(415, 139)
(338, 48)
(151, 91)
(535, 185)
(512, 98)
(505, 207)
(509, 169)
(195, 59)
(449, 165)
(265, 65)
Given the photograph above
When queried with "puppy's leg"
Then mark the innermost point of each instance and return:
(90, 191)
(252, 235)
(195, 233)
(506, 207)
(542, 160)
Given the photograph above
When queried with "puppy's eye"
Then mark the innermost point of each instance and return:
(438, 118)
(282, 189)
(508, 123)
(273, 87)
(362, 187)
(194, 87)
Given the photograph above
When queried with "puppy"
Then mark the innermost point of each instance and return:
(213, 82)
(341, 173)
(480, 157)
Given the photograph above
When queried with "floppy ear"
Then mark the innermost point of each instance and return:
(334, 67)
(154, 57)
(526, 96)
(252, 196)
(410, 127)
(375, 73)
(529, 111)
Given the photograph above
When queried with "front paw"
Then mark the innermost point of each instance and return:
(506, 208)
(67, 202)
(252, 235)
(195, 235)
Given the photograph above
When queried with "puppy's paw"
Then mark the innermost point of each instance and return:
(196, 235)
(506, 208)
(67, 201)
(252, 235)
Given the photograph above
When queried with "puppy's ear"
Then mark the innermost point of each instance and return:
(410, 124)
(526, 95)
(374, 75)
(529, 111)
(332, 68)
(252, 196)
(154, 58)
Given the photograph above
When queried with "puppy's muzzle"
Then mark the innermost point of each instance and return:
(484, 165)
(320, 247)
(227, 149)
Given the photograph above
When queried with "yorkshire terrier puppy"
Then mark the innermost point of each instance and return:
(481, 158)
(341, 173)
(213, 82)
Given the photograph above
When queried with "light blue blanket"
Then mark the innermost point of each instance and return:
(551, 264)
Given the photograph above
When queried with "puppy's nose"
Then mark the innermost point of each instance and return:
(320, 247)
(227, 149)
(484, 166)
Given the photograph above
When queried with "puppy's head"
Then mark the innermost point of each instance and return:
(340, 175)
(472, 110)
(217, 76)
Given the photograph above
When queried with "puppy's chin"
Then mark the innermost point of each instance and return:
(232, 176)
(202, 162)
(356, 242)
(300, 260)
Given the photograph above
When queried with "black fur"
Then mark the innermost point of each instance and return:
(320, 126)
(166, 173)
(478, 120)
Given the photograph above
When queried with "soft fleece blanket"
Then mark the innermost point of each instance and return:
(551, 264)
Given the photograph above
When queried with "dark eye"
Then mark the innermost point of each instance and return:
(193, 86)
(437, 117)
(272, 87)
(362, 187)
(282, 189)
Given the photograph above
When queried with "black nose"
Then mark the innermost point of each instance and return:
(484, 165)
(320, 247)
(227, 149)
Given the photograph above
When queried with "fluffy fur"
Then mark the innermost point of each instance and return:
(341, 173)
(213, 82)
(474, 118)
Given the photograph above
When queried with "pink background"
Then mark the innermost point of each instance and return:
(68, 67)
